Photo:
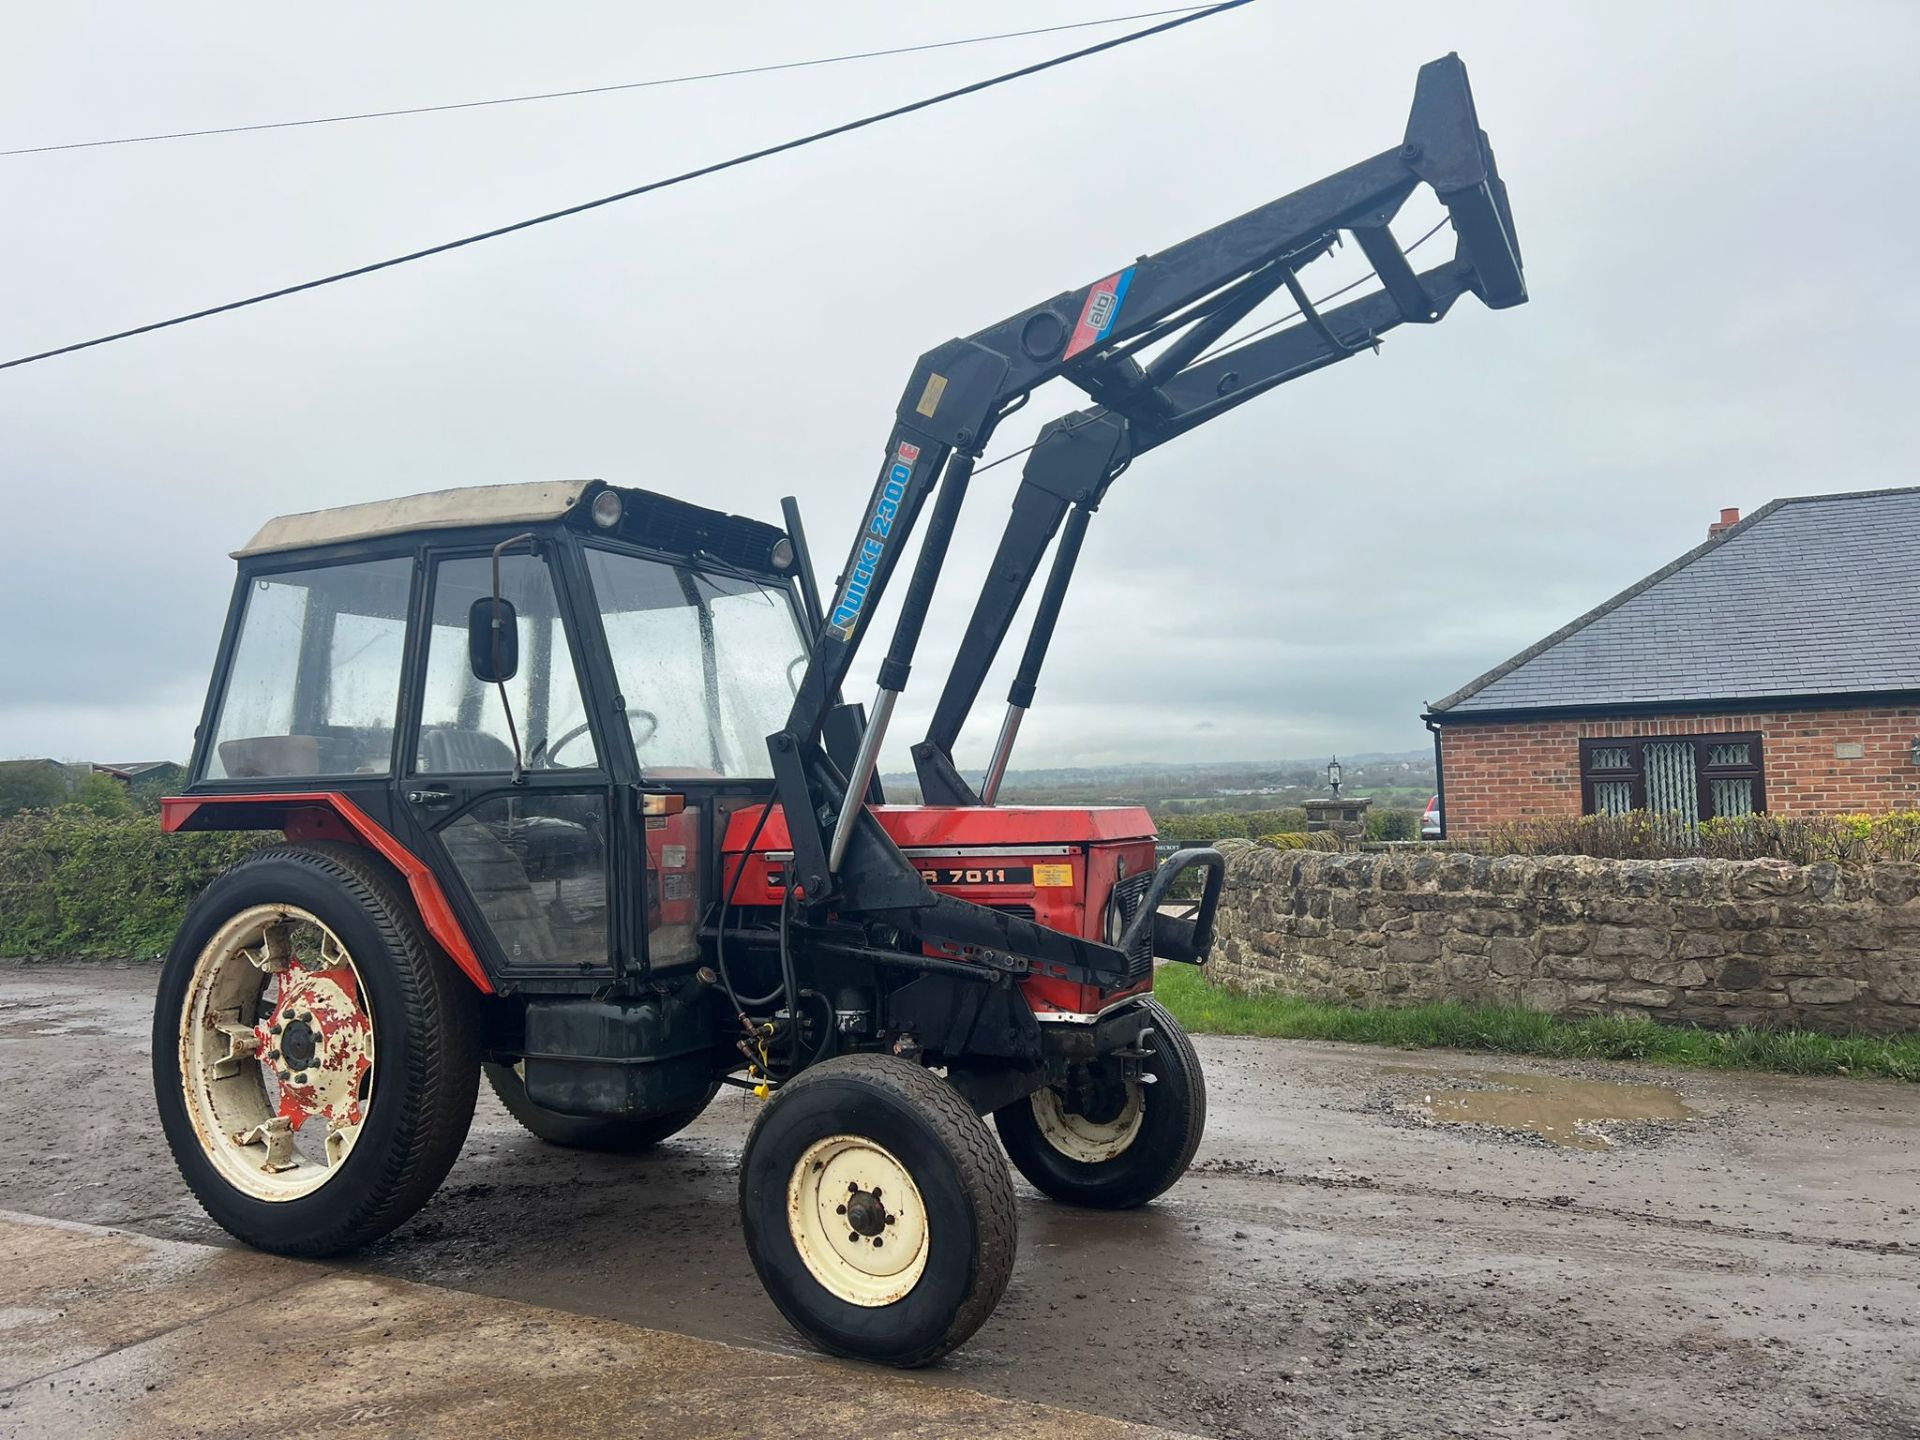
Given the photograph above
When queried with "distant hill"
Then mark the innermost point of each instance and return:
(1403, 778)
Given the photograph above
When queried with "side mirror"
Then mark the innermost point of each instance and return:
(493, 639)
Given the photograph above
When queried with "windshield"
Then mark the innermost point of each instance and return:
(708, 664)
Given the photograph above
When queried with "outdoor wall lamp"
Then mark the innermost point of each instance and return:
(1333, 770)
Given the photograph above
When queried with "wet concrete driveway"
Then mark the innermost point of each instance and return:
(1363, 1248)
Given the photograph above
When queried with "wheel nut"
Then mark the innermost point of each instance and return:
(840, 1210)
(853, 1187)
(301, 1078)
(878, 1241)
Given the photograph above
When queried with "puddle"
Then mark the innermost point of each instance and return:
(1570, 1113)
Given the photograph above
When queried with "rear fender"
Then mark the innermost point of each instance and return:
(328, 815)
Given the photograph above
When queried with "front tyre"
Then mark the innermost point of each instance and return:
(314, 1057)
(878, 1212)
(1108, 1142)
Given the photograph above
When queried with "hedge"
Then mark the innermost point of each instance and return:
(1389, 824)
(1230, 824)
(75, 885)
(1642, 835)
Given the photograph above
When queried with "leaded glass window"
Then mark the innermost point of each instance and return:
(1612, 797)
(1687, 777)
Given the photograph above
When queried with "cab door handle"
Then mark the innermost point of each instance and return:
(429, 797)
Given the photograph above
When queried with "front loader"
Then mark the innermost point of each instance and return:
(516, 739)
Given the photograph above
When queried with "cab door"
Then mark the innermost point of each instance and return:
(509, 782)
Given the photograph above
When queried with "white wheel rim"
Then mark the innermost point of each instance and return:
(276, 1052)
(858, 1221)
(1091, 1142)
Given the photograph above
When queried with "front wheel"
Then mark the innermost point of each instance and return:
(1106, 1141)
(877, 1210)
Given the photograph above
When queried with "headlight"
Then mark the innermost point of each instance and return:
(606, 509)
(782, 554)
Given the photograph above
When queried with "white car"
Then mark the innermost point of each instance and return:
(1430, 822)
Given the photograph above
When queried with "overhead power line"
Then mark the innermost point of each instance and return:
(601, 89)
(746, 159)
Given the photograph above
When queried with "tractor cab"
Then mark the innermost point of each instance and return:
(564, 773)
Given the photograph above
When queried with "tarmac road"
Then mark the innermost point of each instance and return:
(1729, 1255)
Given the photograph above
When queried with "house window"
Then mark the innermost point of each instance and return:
(1696, 777)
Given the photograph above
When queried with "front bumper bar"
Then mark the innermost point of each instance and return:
(1187, 938)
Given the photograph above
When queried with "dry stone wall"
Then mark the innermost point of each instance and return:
(1711, 942)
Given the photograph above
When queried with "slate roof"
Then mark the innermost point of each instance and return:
(1814, 595)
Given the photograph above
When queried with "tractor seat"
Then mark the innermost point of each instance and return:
(446, 750)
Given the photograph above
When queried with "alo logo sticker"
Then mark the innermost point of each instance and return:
(873, 543)
(1099, 313)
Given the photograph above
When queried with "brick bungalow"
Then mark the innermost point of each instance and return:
(1774, 668)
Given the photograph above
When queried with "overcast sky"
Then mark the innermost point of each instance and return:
(1716, 204)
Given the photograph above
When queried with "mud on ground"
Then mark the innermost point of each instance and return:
(1372, 1243)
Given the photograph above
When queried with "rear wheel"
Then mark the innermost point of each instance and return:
(877, 1210)
(1106, 1141)
(583, 1133)
(314, 1057)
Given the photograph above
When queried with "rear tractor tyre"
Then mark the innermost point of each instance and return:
(315, 1058)
(1134, 1143)
(576, 1132)
(877, 1209)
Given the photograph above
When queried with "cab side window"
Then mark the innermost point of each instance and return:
(315, 675)
(463, 724)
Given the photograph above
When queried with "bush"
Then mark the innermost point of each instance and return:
(32, 785)
(1231, 825)
(1203, 828)
(78, 885)
(102, 795)
(1641, 835)
(1393, 824)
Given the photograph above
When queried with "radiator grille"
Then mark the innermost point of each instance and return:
(1129, 895)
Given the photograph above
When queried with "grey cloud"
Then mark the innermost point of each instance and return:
(1716, 214)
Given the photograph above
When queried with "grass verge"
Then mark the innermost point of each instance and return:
(1206, 1009)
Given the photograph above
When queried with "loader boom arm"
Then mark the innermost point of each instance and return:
(1183, 299)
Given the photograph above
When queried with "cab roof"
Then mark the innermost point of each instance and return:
(528, 503)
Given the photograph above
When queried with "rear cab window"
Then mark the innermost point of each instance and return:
(313, 684)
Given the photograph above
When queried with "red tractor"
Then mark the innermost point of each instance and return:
(571, 799)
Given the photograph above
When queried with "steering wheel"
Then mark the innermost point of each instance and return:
(633, 713)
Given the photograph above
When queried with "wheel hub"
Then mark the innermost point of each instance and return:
(865, 1214)
(298, 1043)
